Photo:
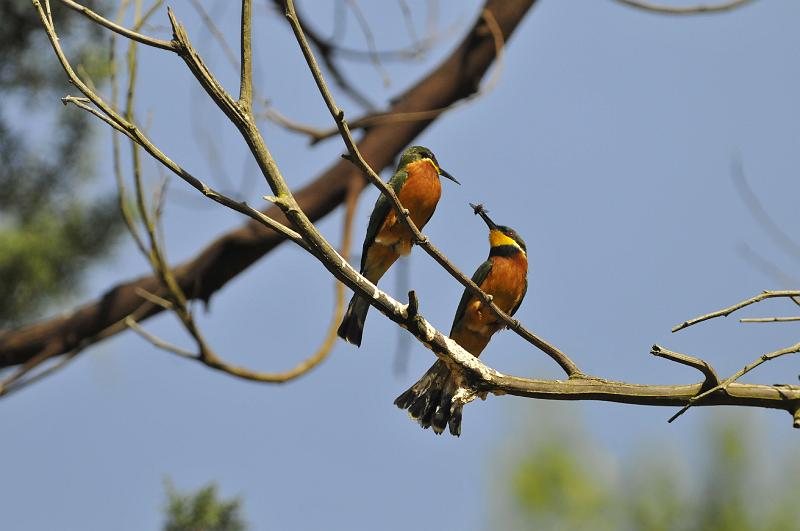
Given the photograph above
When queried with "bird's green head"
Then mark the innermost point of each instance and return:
(420, 153)
(501, 238)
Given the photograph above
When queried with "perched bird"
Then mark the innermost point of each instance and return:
(504, 276)
(416, 183)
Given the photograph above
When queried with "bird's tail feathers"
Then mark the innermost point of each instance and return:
(352, 327)
(430, 400)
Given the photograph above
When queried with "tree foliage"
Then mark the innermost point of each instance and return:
(202, 510)
(49, 233)
(559, 484)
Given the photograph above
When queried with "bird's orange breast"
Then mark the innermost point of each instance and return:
(506, 284)
(420, 195)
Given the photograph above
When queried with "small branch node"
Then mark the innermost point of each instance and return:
(412, 310)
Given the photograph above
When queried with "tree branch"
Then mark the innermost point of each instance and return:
(246, 87)
(738, 306)
(691, 10)
(690, 361)
(116, 28)
(724, 386)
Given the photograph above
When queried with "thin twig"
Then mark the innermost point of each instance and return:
(216, 33)
(116, 28)
(155, 299)
(122, 197)
(246, 84)
(326, 50)
(381, 118)
(730, 309)
(371, 49)
(158, 342)
(769, 319)
(691, 10)
(762, 216)
(767, 267)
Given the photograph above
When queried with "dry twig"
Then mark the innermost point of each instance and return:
(690, 10)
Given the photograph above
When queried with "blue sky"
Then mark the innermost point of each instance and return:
(607, 142)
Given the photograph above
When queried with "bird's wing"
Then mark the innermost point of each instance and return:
(478, 277)
(380, 211)
(516, 307)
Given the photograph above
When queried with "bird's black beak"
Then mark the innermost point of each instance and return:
(481, 211)
(447, 175)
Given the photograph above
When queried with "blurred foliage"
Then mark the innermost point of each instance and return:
(725, 484)
(52, 224)
(202, 510)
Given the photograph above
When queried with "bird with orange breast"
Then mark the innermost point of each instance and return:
(504, 276)
(417, 185)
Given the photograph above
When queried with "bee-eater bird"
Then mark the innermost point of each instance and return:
(504, 276)
(416, 183)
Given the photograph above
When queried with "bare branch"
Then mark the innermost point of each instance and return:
(20, 378)
(769, 319)
(761, 214)
(116, 28)
(692, 10)
(216, 32)
(723, 386)
(372, 119)
(711, 379)
(246, 86)
(730, 309)
(371, 49)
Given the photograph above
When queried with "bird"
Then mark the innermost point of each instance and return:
(417, 185)
(504, 276)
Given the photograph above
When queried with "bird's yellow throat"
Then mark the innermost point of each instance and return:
(498, 239)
